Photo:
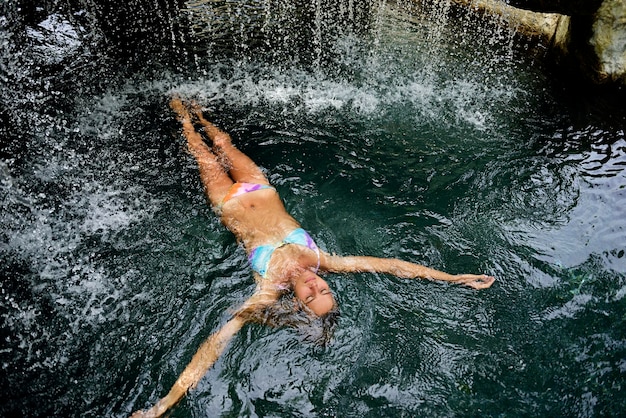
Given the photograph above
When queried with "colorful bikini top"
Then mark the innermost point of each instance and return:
(260, 256)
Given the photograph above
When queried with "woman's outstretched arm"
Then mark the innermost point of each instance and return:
(207, 354)
(400, 268)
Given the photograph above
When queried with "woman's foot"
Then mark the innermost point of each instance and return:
(196, 109)
(219, 138)
(182, 114)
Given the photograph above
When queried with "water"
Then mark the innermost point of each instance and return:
(387, 135)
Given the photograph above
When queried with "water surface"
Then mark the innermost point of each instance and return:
(389, 135)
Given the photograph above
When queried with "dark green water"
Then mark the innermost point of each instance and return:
(423, 140)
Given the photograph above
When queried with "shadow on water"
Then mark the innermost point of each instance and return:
(385, 133)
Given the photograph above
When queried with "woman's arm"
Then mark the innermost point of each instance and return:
(207, 354)
(399, 268)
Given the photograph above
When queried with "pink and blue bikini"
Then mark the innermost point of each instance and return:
(260, 256)
(237, 189)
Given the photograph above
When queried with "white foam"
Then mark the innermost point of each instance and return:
(111, 210)
(55, 38)
(396, 70)
(464, 101)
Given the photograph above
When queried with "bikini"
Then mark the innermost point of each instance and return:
(260, 256)
(237, 189)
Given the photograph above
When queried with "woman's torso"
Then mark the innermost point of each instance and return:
(258, 218)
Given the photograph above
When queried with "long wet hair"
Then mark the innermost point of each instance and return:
(289, 311)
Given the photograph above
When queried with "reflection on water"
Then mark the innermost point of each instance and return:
(408, 139)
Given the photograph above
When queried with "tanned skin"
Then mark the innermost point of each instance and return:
(258, 218)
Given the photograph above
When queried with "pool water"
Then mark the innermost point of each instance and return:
(394, 135)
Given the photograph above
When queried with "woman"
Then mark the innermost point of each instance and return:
(282, 255)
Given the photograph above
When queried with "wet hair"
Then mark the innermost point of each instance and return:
(320, 328)
(289, 311)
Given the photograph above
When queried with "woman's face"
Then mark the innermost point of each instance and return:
(314, 292)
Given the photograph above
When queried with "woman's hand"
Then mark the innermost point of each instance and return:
(142, 414)
(161, 406)
(476, 281)
(150, 413)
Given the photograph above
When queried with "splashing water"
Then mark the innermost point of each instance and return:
(386, 134)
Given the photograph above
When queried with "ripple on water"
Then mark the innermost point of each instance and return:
(118, 270)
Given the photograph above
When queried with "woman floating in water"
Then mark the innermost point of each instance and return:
(283, 256)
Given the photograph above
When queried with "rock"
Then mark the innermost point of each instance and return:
(592, 34)
(609, 40)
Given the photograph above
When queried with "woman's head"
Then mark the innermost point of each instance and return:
(308, 306)
(314, 301)
(314, 293)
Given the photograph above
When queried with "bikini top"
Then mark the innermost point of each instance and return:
(260, 256)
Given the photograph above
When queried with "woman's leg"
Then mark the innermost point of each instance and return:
(241, 167)
(216, 181)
